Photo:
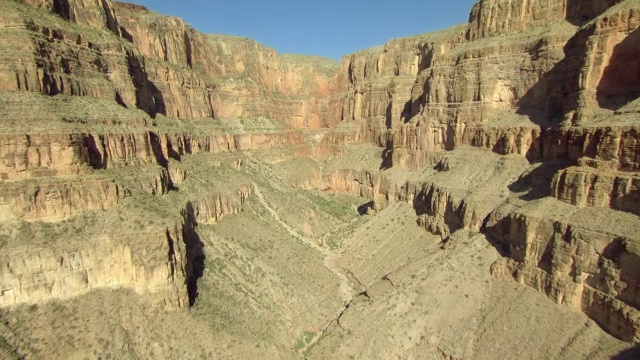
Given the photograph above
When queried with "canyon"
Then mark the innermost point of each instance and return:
(468, 193)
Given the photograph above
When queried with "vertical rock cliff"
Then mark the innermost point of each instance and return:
(551, 81)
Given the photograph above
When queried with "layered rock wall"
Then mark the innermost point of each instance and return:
(97, 14)
(33, 276)
(439, 211)
(162, 65)
(157, 263)
(42, 155)
(545, 80)
(524, 68)
(533, 78)
(586, 186)
(226, 76)
(60, 199)
(591, 267)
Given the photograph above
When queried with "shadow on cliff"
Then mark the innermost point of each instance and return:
(91, 152)
(366, 208)
(555, 95)
(620, 83)
(620, 252)
(62, 8)
(452, 217)
(148, 97)
(537, 182)
(629, 202)
(629, 354)
(195, 253)
(126, 34)
(156, 147)
(387, 154)
(579, 12)
(388, 116)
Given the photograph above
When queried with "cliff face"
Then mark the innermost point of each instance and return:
(136, 260)
(570, 254)
(489, 18)
(522, 124)
(515, 70)
(229, 76)
(163, 66)
(97, 14)
(546, 80)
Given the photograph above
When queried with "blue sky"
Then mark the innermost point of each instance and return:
(328, 28)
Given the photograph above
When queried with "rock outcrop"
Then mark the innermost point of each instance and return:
(587, 186)
(584, 258)
(161, 263)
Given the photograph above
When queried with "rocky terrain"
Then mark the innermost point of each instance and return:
(472, 193)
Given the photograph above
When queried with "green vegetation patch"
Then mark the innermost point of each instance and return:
(307, 341)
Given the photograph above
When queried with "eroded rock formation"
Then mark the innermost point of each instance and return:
(104, 100)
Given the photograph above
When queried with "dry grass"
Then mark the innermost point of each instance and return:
(31, 112)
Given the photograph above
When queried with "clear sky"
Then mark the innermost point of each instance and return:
(330, 28)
